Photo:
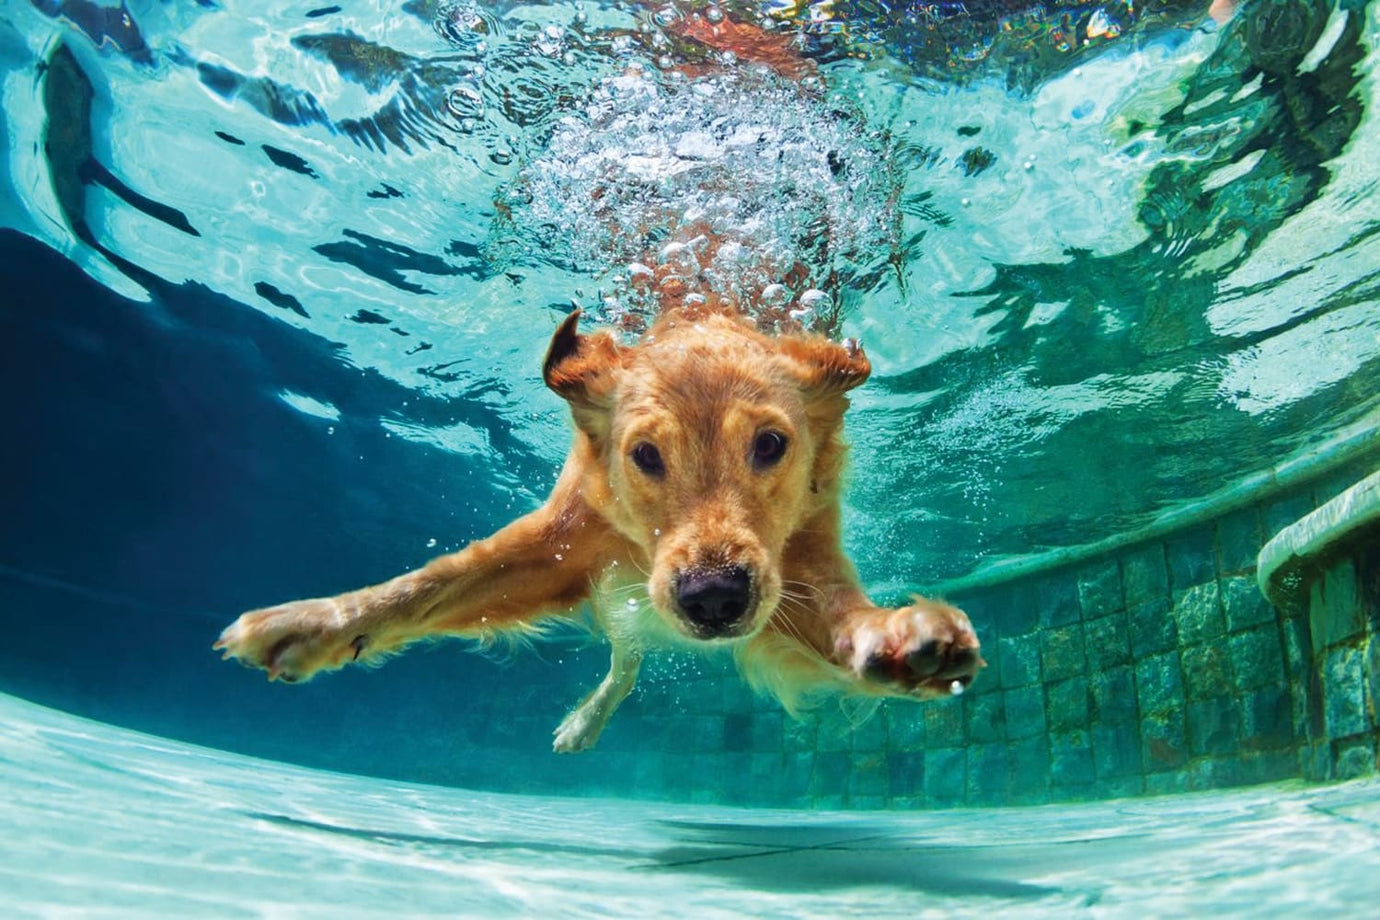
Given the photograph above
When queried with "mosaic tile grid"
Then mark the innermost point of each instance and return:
(1160, 669)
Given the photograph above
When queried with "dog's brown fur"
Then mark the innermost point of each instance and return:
(706, 397)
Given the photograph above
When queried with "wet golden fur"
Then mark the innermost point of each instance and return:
(706, 396)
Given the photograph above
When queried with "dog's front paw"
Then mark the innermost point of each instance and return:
(920, 650)
(293, 641)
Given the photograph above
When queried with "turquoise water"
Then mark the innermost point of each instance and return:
(277, 284)
(1157, 239)
(103, 822)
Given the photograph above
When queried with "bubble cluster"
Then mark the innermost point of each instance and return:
(740, 187)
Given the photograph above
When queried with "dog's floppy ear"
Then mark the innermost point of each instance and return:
(824, 368)
(579, 368)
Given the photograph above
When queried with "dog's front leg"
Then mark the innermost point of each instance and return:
(538, 565)
(581, 728)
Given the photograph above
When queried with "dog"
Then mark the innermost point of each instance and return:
(699, 506)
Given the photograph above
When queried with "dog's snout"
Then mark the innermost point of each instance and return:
(714, 600)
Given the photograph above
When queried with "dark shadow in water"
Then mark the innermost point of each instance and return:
(787, 858)
(858, 854)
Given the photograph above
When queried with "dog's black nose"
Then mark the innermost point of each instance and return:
(714, 599)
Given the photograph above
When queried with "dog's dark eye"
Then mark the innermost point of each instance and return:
(768, 448)
(648, 459)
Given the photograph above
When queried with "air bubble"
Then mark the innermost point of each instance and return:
(738, 158)
(431, 543)
(465, 102)
(775, 295)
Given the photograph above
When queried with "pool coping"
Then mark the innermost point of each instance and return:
(1354, 442)
(1314, 537)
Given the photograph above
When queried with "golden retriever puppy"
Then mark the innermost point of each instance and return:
(699, 505)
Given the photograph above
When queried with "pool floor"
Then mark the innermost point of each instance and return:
(100, 821)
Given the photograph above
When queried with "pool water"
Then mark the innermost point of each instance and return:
(275, 285)
(101, 822)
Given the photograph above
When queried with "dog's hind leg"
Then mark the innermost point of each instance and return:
(580, 729)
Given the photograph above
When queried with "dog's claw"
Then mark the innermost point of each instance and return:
(293, 642)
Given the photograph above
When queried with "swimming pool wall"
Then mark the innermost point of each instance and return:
(1159, 667)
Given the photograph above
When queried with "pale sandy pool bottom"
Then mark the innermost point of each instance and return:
(98, 821)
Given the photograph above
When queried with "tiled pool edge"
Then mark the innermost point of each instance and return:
(1324, 570)
(1162, 668)
(1157, 668)
(1356, 443)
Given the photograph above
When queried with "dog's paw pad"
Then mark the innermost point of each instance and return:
(923, 650)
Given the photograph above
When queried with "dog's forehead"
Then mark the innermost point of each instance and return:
(698, 378)
(706, 363)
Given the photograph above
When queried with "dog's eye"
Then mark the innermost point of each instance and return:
(648, 459)
(768, 448)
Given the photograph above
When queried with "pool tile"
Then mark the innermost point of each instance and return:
(1198, 613)
(870, 734)
(1268, 718)
(1344, 693)
(1214, 726)
(868, 778)
(988, 770)
(1116, 750)
(905, 728)
(1239, 539)
(1335, 605)
(945, 776)
(1206, 670)
(985, 719)
(1151, 629)
(1114, 695)
(1067, 704)
(1020, 661)
(1061, 652)
(1025, 711)
(1029, 765)
(906, 774)
(1192, 559)
(1145, 575)
(1159, 684)
(944, 723)
(1106, 642)
(1164, 742)
(1056, 599)
(1099, 588)
(1071, 759)
(1244, 604)
(1354, 758)
(1257, 659)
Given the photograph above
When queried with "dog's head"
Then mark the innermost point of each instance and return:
(709, 445)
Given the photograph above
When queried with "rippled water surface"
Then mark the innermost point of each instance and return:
(1106, 261)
